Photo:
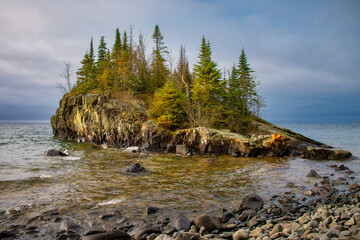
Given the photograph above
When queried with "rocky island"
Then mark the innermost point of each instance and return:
(121, 123)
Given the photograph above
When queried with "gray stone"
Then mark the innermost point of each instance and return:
(313, 174)
(54, 152)
(181, 223)
(182, 150)
(251, 202)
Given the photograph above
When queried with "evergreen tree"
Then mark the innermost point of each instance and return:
(86, 74)
(166, 106)
(247, 84)
(207, 92)
(159, 70)
(116, 51)
(140, 82)
(102, 50)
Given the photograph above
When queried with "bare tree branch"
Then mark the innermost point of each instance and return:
(66, 74)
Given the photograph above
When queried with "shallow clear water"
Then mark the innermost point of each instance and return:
(91, 177)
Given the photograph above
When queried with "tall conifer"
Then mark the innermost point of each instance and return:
(159, 70)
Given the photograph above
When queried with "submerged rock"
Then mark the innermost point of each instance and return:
(136, 168)
(54, 153)
(313, 174)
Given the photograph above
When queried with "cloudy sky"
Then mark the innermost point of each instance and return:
(306, 54)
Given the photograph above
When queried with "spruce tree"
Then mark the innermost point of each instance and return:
(102, 50)
(116, 51)
(207, 87)
(86, 73)
(247, 83)
(159, 70)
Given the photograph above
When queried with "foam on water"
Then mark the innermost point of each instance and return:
(112, 202)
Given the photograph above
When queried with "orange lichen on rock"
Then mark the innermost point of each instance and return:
(276, 141)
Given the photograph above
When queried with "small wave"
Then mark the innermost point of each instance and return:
(45, 176)
(131, 149)
(72, 158)
(111, 202)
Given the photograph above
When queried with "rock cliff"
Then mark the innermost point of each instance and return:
(123, 122)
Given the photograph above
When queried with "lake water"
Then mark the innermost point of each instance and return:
(92, 178)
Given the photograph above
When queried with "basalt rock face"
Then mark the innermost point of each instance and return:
(99, 119)
(113, 122)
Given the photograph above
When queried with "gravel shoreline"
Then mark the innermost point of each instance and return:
(322, 212)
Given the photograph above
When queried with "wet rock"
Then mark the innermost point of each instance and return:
(54, 152)
(181, 223)
(182, 150)
(136, 168)
(187, 236)
(290, 185)
(69, 226)
(342, 167)
(250, 202)
(115, 235)
(313, 174)
(241, 234)
(151, 210)
(208, 222)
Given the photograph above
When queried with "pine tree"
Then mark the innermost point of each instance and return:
(159, 70)
(102, 50)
